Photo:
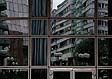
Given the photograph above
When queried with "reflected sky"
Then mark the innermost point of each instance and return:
(56, 2)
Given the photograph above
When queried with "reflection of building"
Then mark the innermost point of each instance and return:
(17, 9)
(64, 47)
(19, 51)
(13, 51)
(16, 47)
(14, 9)
(61, 48)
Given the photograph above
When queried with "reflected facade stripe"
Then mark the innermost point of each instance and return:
(39, 8)
(39, 54)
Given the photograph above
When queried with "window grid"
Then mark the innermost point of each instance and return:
(49, 36)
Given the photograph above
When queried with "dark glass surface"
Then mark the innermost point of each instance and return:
(61, 75)
(39, 74)
(83, 75)
(13, 74)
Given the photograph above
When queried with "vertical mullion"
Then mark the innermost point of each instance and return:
(48, 40)
(30, 56)
(96, 9)
(96, 46)
(30, 41)
(96, 39)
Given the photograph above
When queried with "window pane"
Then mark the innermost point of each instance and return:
(83, 75)
(103, 7)
(12, 6)
(105, 74)
(39, 51)
(105, 48)
(72, 52)
(39, 27)
(72, 8)
(13, 73)
(104, 27)
(13, 52)
(13, 27)
(61, 75)
(39, 8)
(39, 74)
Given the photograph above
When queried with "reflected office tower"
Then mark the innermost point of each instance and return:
(17, 8)
(14, 8)
(14, 48)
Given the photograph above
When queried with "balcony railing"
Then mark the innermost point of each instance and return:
(3, 5)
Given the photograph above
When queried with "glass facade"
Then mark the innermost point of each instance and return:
(55, 39)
